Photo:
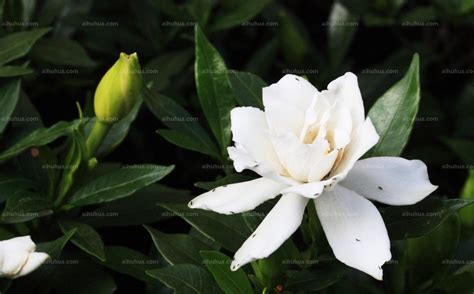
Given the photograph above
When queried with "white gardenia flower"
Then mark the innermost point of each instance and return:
(306, 146)
(18, 257)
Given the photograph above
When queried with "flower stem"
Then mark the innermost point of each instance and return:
(96, 136)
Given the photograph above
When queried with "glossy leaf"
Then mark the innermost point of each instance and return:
(178, 248)
(85, 238)
(229, 230)
(118, 184)
(39, 137)
(230, 282)
(25, 206)
(247, 88)
(322, 276)
(229, 179)
(9, 95)
(61, 51)
(239, 13)
(14, 71)
(16, 45)
(185, 278)
(394, 113)
(419, 219)
(214, 89)
(54, 248)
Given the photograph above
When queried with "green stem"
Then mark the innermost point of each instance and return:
(96, 136)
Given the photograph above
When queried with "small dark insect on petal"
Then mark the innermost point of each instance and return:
(358, 240)
(253, 236)
(316, 194)
(231, 212)
(297, 79)
(380, 268)
(380, 188)
(213, 190)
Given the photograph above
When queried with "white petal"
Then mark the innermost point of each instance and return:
(34, 261)
(286, 103)
(299, 158)
(309, 190)
(239, 197)
(251, 134)
(362, 139)
(15, 254)
(280, 223)
(390, 180)
(316, 117)
(355, 230)
(339, 127)
(345, 90)
(323, 167)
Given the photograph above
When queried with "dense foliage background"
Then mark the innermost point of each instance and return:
(72, 44)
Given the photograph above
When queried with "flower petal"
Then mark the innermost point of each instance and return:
(280, 223)
(345, 91)
(323, 167)
(239, 197)
(286, 103)
(35, 259)
(339, 127)
(309, 190)
(15, 254)
(390, 180)
(362, 139)
(251, 134)
(355, 230)
(298, 158)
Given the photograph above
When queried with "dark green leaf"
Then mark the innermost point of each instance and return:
(394, 113)
(25, 206)
(229, 179)
(130, 262)
(185, 278)
(188, 132)
(16, 45)
(85, 238)
(320, 277)
(419, 219)
(214, 89)
(247, 88)
(239, 13)
(463, 148)
(118, 184)
(178, 248)
(229, 230)
(11, 183)
(39, 137)
(14, 71)
(54, 248)
(61, 51)
(230, 282)
(141, 208)
(9, 95)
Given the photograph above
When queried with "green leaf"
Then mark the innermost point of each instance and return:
(141, 208)
(214, 89)
(9, 95)
(421, 218)
(230, 282)
(129, 262)
(14, 71)
(320, 277)
(247, 88)
(160, 71)
(54, 248)
(11, 183)
(239, 12)
(185, 278)
(178, 248)
(25, 206)
(16, 45)
(39, 137)
(467, 213)
(118, 184)
(85, 238)
(341, 28)
(188, 133)
(394, 113)
(293, 38)
(83, 277)
(229, 179)
(61, 51)
(229, 230)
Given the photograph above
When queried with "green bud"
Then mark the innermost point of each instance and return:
(119, 89)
